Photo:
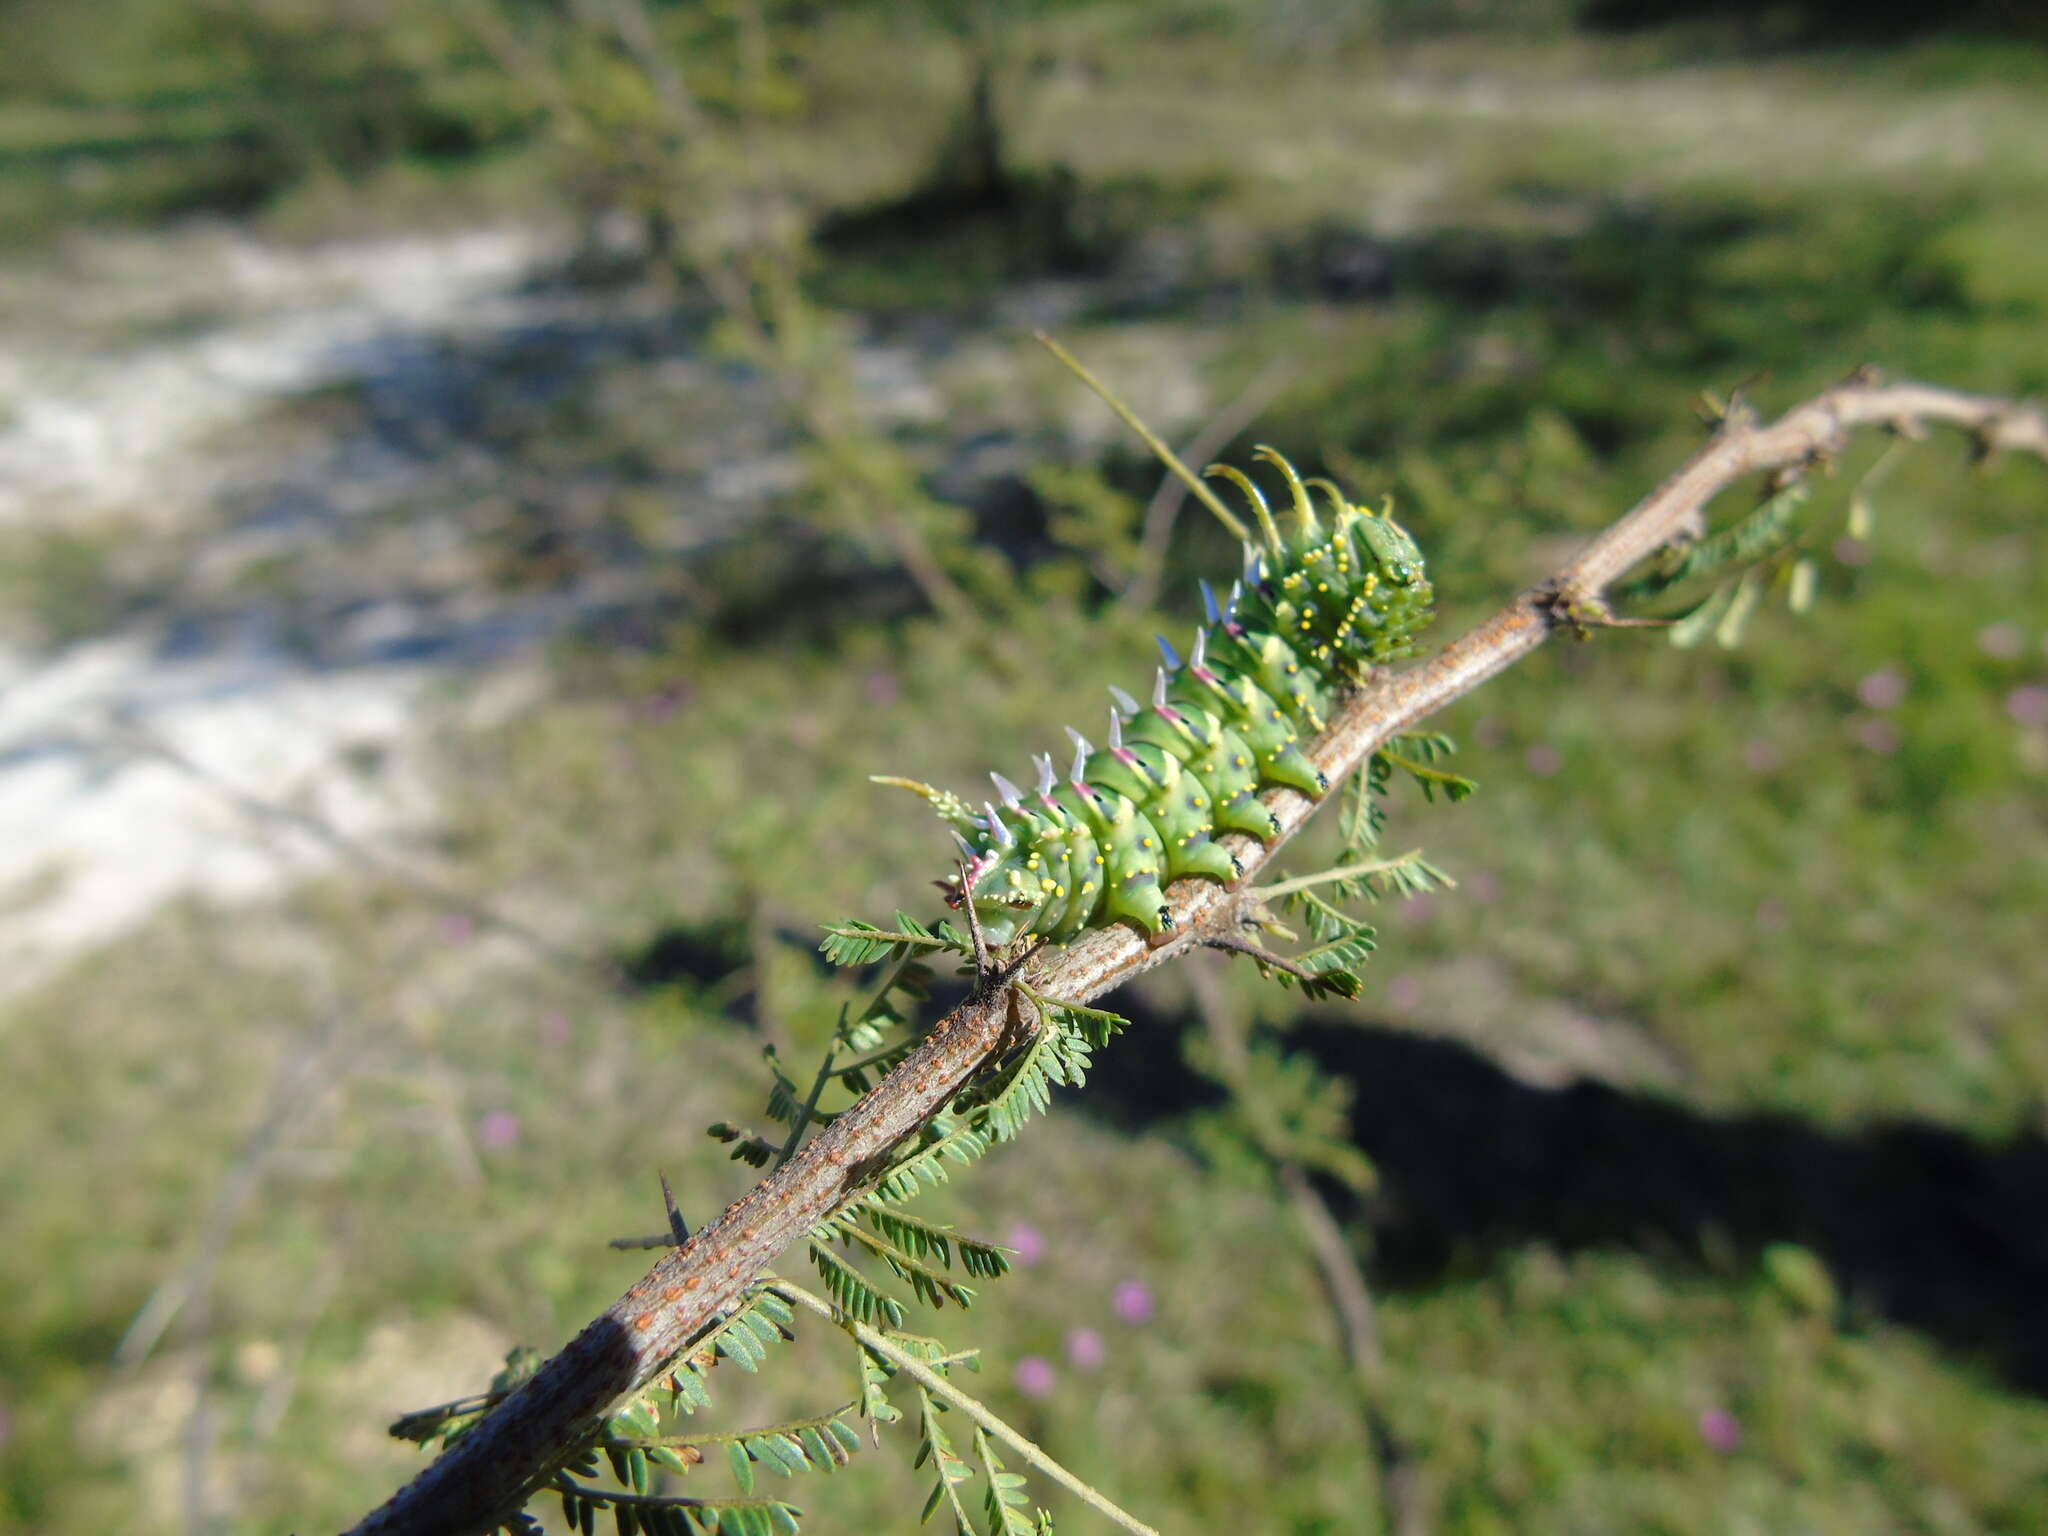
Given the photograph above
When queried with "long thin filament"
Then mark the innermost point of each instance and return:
(1164, 454)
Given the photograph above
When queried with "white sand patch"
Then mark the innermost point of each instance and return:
(120, 778)
(122, 758)
(89, 429)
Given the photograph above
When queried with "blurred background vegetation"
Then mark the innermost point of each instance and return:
(1707, 1113)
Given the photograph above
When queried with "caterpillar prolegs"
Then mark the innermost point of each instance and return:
(1317, 607)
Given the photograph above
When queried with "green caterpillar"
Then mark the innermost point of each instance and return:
(1314, 612)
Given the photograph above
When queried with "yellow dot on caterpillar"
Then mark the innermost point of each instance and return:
(1098, 858)
(1238, 761)
(1060, 891)
(1045, 885)
(1145, 842)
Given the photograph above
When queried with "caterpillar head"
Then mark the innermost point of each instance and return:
(1399, 558)
(1002, 852)
(1350, 591)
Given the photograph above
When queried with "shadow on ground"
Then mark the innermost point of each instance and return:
(1920, 1224)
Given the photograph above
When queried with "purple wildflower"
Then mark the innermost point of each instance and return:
(1721, 1430)
(1133, 1301)
(1883, 689)
(1086, 1349)
(1027, 1244)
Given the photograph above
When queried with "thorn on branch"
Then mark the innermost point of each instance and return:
(1263, 956)
(974, 933)
(678, 1229)
(678, 1232)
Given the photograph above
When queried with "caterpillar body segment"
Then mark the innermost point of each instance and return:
(1322, 602)
(1218, 759)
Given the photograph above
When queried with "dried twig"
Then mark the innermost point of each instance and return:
(1264, 956)
(486, 1477)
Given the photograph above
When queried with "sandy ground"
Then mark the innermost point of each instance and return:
(124, 756)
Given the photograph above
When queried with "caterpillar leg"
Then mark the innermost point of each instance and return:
(1134, 893)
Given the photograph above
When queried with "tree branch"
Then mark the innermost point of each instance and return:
(487, 1476)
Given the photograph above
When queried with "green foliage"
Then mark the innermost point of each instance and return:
(1417, 756)
(931, 1258)
(1286, 1107)
(1093, 518)
(1761, 544)
(656, 1516)
(935, 1448)
(1341, 940)
(1006, 1506)
(852, 942)
(990, 1110)
(637, 1449)
(1803, 1278)
(448, 1422)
